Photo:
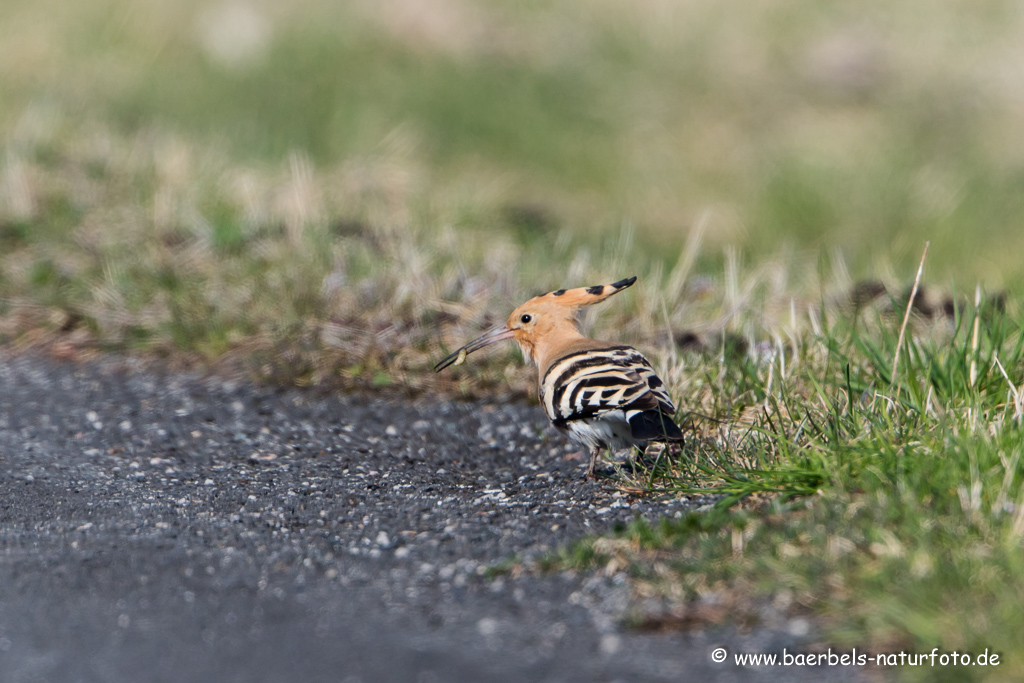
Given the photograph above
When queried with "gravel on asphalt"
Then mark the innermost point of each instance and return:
(162, 526)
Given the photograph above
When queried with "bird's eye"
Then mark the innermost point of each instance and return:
(526, 318)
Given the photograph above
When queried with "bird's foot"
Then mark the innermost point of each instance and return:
(643, 463)
(600, 473)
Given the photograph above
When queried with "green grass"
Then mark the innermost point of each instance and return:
(892, 508)
(341, 193)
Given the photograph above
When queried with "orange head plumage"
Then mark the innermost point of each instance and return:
(543, 324)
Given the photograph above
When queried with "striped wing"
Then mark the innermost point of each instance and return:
(589, 383)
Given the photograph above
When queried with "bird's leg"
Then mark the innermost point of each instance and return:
(593, 461)
(636, 457)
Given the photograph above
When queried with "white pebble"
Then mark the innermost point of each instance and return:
(487, 626)
(610, 644)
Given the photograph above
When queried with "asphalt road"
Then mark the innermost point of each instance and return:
(169, 527)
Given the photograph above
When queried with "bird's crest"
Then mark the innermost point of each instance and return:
(579, 297)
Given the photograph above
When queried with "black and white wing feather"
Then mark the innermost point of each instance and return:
(587, 385)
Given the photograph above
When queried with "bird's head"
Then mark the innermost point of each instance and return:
(546, 319)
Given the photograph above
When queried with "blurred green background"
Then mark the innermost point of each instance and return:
(190, 174)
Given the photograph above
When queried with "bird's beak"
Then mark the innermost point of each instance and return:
(490, 337)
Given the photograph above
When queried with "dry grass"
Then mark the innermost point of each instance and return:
(328, 192)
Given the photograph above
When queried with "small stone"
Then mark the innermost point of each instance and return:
(391, 430)
(610, 644)
(799, 627)
(488, 626)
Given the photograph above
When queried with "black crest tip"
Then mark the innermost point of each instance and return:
(622, 284)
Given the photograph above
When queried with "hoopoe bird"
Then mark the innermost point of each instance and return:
(600, 394)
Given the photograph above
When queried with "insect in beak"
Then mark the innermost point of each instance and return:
(458, 357)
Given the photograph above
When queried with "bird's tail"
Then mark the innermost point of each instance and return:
(654, 425)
